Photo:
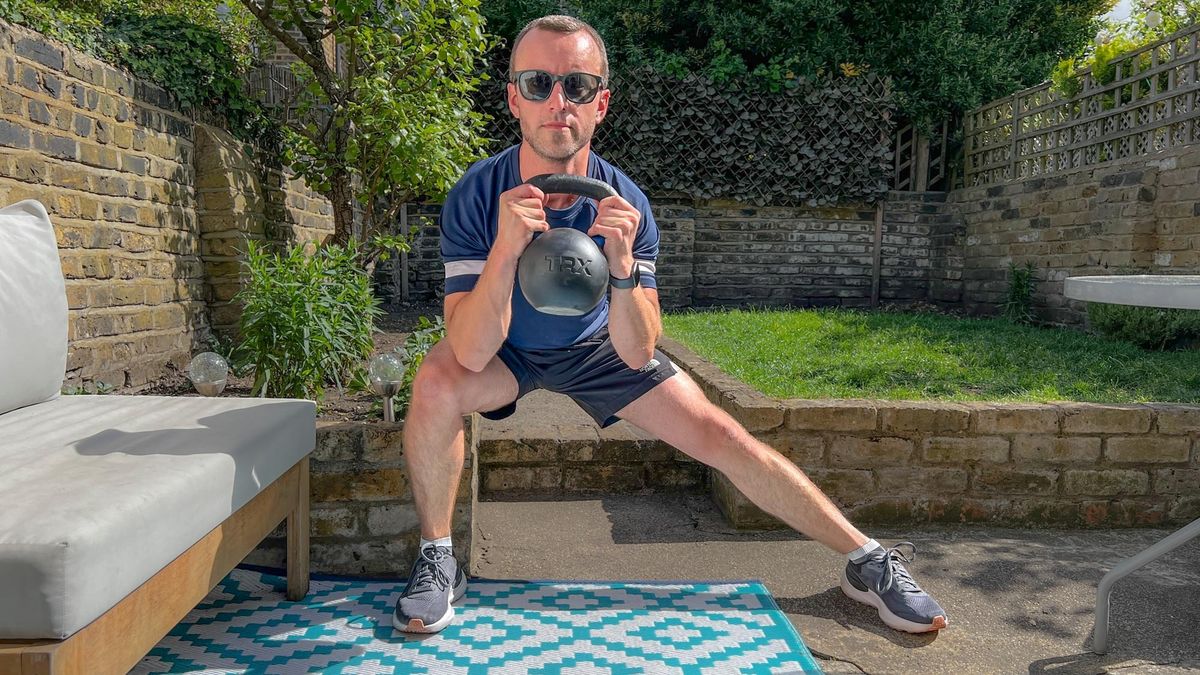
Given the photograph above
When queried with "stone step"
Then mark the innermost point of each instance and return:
(550, 447)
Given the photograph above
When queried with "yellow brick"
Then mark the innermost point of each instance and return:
(962, 449)
(853, 451)
(1086, 418)
(1148, 448)
(1040, 448)
(370, 485)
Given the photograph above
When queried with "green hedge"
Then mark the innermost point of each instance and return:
(1147, 327)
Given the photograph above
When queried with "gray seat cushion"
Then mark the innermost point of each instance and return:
(33, 307)
(101, 492)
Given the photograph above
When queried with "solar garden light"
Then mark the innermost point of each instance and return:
(386, 374)
(208, 371)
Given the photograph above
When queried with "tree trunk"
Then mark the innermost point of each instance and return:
(341, 195)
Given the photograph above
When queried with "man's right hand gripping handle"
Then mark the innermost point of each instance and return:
(477, 322)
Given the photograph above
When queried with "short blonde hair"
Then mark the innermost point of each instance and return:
(559, 23)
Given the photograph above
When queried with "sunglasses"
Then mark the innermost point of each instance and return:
(536, 85)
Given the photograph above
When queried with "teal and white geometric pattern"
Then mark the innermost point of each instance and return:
(344, 626)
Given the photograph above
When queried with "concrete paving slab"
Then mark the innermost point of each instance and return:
(1020, 601)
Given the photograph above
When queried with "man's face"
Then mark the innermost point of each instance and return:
(556, 128)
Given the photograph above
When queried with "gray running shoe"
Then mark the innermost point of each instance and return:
(882, 582)
(425, 607)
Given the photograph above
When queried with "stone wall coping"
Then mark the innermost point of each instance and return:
(760, 412)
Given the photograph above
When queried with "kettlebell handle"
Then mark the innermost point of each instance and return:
(570, 184)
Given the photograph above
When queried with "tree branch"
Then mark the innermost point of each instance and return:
(314, 40)
(317, 64)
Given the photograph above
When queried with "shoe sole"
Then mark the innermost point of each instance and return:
(893, 621)
(417, 626)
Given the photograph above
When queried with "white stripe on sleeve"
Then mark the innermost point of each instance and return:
(461, 267)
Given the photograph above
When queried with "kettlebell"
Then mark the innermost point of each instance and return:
(562, 271)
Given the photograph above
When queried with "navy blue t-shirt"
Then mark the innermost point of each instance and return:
(469, 224)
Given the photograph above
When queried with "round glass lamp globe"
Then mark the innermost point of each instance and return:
(207, 371)
(386, 372)
(208, 368)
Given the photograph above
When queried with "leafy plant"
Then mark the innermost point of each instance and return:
(307, 319)
(192, 62)
(1066, 79)
(195, 49)
(1148, 327)
(395, 121)
(98, 387)
(1149, 21)
(1108, 55)
(1018, 304)
(416, 345)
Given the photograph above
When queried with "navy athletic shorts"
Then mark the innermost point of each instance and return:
(590, 372)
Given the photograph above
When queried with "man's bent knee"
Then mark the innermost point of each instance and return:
(443, 385)
(439, 381)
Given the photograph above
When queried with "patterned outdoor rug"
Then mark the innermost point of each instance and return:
(344, 626)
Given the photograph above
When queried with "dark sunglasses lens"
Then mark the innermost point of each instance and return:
(580, 87)
(536, 85)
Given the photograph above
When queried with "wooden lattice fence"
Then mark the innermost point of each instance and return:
(1147, 106)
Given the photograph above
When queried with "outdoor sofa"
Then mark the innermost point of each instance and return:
(118, 514)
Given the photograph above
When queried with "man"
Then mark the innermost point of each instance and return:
(498, 348)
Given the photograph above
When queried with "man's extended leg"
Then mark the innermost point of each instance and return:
(443, 391)
(677, 412)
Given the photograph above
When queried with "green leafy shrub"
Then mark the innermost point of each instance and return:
(1066, 79)
(192, 62)
(395, 121)
(1018, 305)
(416, 345)
(195, 49)
(307, 319)
(1147, 327)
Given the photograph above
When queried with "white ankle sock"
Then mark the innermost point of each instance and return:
(444, 541)
(861, 552)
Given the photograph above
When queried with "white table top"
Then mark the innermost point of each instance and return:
(1147, 290)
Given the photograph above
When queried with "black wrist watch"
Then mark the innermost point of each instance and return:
(630, 281)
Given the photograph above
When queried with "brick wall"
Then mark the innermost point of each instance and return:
(143, 200)
(112, 162)
(725, 253)
(1136, 216)
(1063, 464)
(241, 197)
(363, 517)
(951, 249)
(561, 460)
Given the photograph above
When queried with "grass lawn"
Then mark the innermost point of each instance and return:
(832, 353)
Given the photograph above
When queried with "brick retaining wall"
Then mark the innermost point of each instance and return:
(363, 518)
(1062, 464)
(1139, 215)
(555, 460)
